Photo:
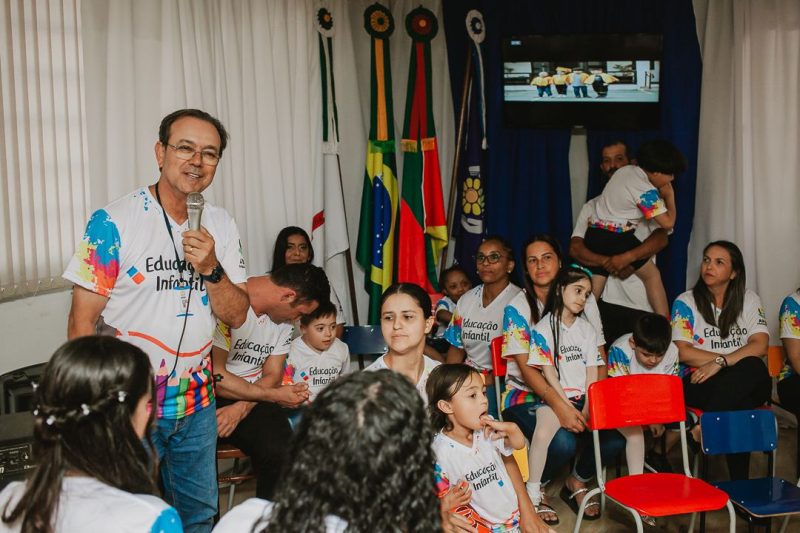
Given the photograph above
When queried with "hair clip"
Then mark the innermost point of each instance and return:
(121, 395)
(50, 420)
(582, 269)
(85, 409)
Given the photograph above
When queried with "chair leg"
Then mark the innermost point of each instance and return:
(582, 508)
(785, 523)
(731, 517)
(638, 519)
(691, 522)
(231, 493)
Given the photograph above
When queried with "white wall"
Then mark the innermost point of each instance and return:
(32, 329)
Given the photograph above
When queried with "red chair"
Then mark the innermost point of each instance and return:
(640, 400)
(499, 364)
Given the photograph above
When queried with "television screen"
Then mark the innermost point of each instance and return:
(608, 81)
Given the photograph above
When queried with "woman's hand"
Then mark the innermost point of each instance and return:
(704, 372)
(496, 430)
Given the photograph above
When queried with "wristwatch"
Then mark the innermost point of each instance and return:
(721, 361)
(214, 276)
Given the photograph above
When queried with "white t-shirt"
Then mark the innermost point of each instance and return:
(249, 346)
(126, 254)
(629, 292)
(87, 505)
(244, 516)
(444, 304)
(473, 326)
(790, 325)
(622, 360)
(306, 365)
(577, 349)
(627, 198)
(688, 324)
(481, 465)
(430, 364)
(517, 334)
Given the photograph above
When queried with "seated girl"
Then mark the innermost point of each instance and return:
(91, 443)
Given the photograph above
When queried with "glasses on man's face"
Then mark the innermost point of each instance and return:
(492, 258)
(186, 152)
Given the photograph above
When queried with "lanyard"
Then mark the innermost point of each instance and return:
(181, 264)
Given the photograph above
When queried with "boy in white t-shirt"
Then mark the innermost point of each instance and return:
(633, 194)
(317, 357)
(647, 350)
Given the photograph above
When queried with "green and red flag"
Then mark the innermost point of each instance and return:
(379, 198)
(423, 224)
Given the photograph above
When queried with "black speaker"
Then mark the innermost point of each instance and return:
(16, 389)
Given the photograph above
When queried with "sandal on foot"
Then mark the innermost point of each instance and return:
(545, 508)
(572, 502)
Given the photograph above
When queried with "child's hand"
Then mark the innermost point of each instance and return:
(657, 429)
(458, 495)
(496, 430)
(291, 395)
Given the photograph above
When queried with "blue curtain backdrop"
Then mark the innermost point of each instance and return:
(527, 178)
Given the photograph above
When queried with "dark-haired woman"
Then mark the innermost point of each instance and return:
(293, 246)
(721, 332)
(361, 461)
(478, 316)
(789, 378)
(93, 413)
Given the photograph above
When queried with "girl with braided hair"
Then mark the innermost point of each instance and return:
(95, 473)
(361, 461)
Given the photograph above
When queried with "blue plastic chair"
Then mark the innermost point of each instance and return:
(364, 340)
(750, 431)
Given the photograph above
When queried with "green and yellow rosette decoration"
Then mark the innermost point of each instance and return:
(379, 198)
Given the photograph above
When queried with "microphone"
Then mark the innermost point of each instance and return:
(194, 208)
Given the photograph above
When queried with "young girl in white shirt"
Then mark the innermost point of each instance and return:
(93, 410)
(474, 454)
(564, 345)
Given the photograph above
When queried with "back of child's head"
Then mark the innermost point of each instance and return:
(416, 293)
(85, 400)
(362, 452)
(660, 156)
(323, 310)
(652, 333)
(443, 383)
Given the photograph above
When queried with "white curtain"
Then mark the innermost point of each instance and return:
(748, 178)
(43, 185)
(255, 65)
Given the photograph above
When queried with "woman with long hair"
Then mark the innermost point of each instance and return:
(361, 461)
(721, 333)
(91, 444)
(478, 315)
(789, 378)
(293, 245)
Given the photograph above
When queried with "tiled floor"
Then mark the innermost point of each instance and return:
(616, 520)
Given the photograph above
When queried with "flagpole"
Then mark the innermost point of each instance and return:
(351, 282)
(451, 204)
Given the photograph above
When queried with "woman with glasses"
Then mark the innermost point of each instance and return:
(293, 246)
(526, 388)
(478, 316)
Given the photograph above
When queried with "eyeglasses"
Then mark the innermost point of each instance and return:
(492, 258)
(186, 152)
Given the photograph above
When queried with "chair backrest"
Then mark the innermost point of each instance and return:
(635, 400)
(738, 431)
(775, 360)
(364, 340)
(498, 361)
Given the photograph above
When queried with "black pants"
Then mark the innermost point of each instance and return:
(745, 385)
(264, 435)
(617, 320)
(789, 394)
